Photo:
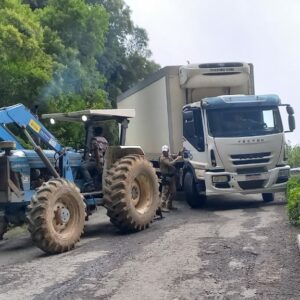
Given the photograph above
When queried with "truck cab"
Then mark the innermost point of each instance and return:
(236, 144)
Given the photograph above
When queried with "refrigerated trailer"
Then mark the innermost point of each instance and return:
(233, 140)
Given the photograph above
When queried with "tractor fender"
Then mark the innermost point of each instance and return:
(113, 153)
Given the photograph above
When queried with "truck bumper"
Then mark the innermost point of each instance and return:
(274, 180)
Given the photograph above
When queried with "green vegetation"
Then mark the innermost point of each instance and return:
(66, 55)
(293, 194)
(25, 67)
(293, 187)
(293, 153)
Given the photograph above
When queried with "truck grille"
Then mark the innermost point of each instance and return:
(252, 170)
(253, 184)
(251, 158)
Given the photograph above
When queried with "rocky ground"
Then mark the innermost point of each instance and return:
(234, 248)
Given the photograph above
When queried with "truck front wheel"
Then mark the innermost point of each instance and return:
(268, 197)
(193, 199)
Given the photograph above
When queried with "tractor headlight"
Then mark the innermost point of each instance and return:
(220, 178)
(84, 118)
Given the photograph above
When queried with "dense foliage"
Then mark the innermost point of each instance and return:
(25, 67)
(293, 194)
(293, 187)
(293, 153)
(66, 55)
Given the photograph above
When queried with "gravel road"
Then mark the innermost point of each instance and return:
(234, 248)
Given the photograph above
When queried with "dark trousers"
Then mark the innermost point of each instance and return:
(85, 169)
(168, 192)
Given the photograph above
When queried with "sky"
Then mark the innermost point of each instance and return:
(263, 32)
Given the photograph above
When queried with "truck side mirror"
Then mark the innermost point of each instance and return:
(188, 124)
(292, 123)
(289, 110)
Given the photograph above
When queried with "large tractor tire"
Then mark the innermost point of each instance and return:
(3, 226)
(56, 216)
(193, 199)
(131, 193)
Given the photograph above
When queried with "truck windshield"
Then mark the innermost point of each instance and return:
(250, 121)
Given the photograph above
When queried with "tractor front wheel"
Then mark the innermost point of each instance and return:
(56, 216)
(131, 193)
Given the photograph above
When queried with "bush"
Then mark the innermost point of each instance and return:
(293, 153)
(293, 195)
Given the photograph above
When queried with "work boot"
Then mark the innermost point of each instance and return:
(171, 207)
(164, 209)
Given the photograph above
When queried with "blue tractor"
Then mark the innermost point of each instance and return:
(44, 186)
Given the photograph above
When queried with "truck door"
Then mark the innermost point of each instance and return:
(193, 130)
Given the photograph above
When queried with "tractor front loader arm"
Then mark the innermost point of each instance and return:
(21, 116)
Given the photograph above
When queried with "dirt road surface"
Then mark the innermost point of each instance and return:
(234, 248)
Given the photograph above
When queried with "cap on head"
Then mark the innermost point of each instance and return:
(165, 148)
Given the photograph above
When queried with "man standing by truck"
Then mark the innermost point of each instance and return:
(168, 175)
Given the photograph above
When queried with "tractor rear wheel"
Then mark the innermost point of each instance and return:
(3, 226)
(56, 216)
(131, 193)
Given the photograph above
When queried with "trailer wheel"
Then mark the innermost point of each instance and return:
(56, 216)
(131, 193)
(3, 226)
(268, 197)
(193, 199)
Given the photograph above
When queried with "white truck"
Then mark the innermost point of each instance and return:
(233, 141)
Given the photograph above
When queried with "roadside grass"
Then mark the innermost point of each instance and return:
(293, 200)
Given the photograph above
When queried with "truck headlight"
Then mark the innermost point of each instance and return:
(285, 173)
(220, 178)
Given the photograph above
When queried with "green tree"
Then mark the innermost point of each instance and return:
(25, 67)
(126, 58)
(74, 35)
(293, 153)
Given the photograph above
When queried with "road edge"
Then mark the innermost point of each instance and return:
(298, 241)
